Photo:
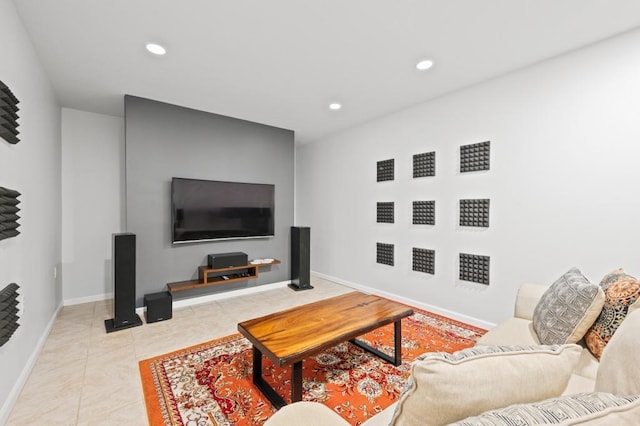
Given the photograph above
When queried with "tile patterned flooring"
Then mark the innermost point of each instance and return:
(85, 376)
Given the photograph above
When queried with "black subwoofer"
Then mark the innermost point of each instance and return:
(124, 284)
(300, 258)
(159, 306)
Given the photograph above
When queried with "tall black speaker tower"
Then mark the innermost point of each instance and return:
(300, 258)
(124, 284)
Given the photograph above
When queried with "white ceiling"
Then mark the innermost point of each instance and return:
(281, 62)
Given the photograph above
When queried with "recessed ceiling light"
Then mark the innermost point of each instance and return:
(335, 106)
(424, 64)
(156, 49)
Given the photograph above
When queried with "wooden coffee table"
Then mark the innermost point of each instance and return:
(289, 336)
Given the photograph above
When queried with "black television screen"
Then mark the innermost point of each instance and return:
(214, 210)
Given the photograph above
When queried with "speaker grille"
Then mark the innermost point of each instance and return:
(124, 275)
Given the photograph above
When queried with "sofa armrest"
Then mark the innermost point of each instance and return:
(527, 299)
(306, 413)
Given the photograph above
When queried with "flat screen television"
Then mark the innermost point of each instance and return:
(207, 210)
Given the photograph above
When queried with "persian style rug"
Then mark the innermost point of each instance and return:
(211, 383)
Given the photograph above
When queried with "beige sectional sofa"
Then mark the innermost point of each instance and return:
(611, 385)
(519, 331)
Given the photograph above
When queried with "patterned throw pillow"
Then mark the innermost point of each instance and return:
(622, 293)
(567, 309)
(444, 388)
(569, 409)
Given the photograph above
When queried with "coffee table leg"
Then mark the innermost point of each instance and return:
(296, 382)
(257, 365)
(397, 337)
(396, 359)
(265, 387)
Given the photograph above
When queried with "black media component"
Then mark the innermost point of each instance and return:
(474, 213)
(300, 258)
(475, 157)
(159, 306)
(424, 212)
(384, 253)
(206, 210)
(385, 170)
(385, 212)
(424, 164)
(424, 260)
(124, 284)
(228, 260)
(474, 268)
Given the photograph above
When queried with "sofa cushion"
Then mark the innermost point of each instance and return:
(567, 309)
(622, 294)
(579, 384)
(619, 370)
(527, 298)
(444, 388)
(579, 409)
(513, 331)
(587, 365)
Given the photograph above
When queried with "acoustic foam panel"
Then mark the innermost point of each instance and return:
(474, 268)
(8, 213)
(8, 312)
(474, 213)
(385, 170)
(384, 253)
(475, 157)
(8, 115)
(385, 212)
(424, 260)
(424, 212)
(424, 164)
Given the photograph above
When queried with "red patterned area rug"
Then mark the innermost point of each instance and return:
(210, 383)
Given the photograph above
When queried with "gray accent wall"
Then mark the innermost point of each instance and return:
(165, 141)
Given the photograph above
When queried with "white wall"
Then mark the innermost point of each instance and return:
(33, 168)
(563, 184)
(92, 202)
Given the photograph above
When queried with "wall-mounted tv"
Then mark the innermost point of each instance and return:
(206, 210)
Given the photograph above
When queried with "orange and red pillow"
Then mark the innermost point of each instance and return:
(622, 293)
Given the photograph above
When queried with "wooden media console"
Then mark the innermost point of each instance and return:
(214, 276)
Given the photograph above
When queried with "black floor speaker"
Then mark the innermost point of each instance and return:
(124, 284)
(300, 258)
(159, 306)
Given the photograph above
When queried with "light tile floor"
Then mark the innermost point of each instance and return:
(85, 376)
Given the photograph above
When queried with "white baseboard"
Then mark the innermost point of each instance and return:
(220, 296)
(10, 402)
(431, 308)
(88, 299)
